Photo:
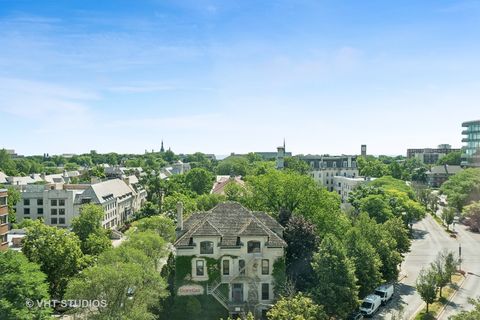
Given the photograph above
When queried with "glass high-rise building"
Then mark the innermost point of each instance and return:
(471, 149)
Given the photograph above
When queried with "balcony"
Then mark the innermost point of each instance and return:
(3, 210)
(4, 228)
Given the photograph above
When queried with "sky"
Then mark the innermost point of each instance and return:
(222, 76)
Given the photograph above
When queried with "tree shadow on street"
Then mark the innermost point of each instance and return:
(418, 234)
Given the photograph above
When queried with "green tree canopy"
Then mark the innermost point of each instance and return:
(162, 225)
(199, 180)
(57, 251)
(462, 188)
(453, 158)
(426, 286)
(336, 287)
(298, 307)
(20, 280)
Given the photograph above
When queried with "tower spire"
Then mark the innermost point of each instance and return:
(161, 148)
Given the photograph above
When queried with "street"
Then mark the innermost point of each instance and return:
(429, 239)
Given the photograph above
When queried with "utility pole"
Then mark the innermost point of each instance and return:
(460, 255)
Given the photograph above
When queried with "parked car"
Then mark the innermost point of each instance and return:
(385, 292)
(356, 315)
(370, 305)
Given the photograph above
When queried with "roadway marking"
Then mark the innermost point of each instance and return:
(442, 311)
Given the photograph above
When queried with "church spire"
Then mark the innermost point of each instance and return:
(161, 148)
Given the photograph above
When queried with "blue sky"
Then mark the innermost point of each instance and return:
(236, 76)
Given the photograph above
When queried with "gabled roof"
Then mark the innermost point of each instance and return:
(104, 191)
(222, 181)
(230, 220)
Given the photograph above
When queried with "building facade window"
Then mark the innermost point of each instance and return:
(206, 247)
(253, 246)
(53, 212)
(53, 220)
(200, 268)
(26, 211)
(53, 202)
(61, 202)
(26, 202)
(265, 266)
(241, 267)
(226, 267)
(265, 291)
(39, 210)
(61, 220)
(61, 212)
(39, 202)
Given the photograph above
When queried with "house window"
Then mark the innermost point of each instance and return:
(200, 268)
(265, 266)
(241, 267)
(26, 211)
(61, 220)
(265, 291)
(206, 247)
(61, 202)
(26, 202)
(53, 221)
(61, 212)
(54, 212)
(226, 267)
(53, 202)
(39, 210)
(39, 202)
(253, 247)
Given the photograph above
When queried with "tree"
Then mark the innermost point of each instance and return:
(13, 196)
(88, 227)
(426, 286)
(20, 280)
(163, 226)
(462, 188)
(57, 251)
(123, 290)
(298, 307)
(297, 165)
(376, 207)
(207, 202)
(396, 229)
(469, 315)
(453, 158)
(148, 209)
(234, 191)
(169, 206)
(442, 277)
(448, 215)
(366, 260)
(7, 165)
(450, 264)
(186, 308)
(150, 243)
(199, 180)
(335, 278)
(233, 165)
(369, 166)
(302, 241)
(383, 243)
(472, 212)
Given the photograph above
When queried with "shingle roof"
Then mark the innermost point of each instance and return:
(105, 190)
(231, 220)
(442, 170)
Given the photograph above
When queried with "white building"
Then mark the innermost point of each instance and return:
(54, 203)
(58, 204)
(245, 246)
(344, 185)
(324, 168)
(114, 196)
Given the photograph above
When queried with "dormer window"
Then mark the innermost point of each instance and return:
(253, 247)
(206, 247)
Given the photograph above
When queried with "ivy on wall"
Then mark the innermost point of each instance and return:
(279, 276)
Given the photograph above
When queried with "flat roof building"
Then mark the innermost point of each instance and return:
(471, 149)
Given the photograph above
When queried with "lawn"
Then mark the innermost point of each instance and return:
(447, 293)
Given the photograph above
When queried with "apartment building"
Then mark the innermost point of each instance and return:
(244, 246)
(324, 168)
(54, 203)
(3, 220)
(114, 196)
(431, 155)
(471, 149)
(344, 185)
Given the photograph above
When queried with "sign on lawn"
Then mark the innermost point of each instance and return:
(190, 290)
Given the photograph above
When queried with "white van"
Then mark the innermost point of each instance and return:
(370, 304)
(385, 292)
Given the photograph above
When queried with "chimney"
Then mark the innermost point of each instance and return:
(179, 216)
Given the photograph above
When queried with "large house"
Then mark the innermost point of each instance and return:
(242, 244)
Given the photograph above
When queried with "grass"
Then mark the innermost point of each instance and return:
(440, 222)
(447, 292)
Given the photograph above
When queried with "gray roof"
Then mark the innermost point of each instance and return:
(442, 170)
(231, 220)
(104, 191)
